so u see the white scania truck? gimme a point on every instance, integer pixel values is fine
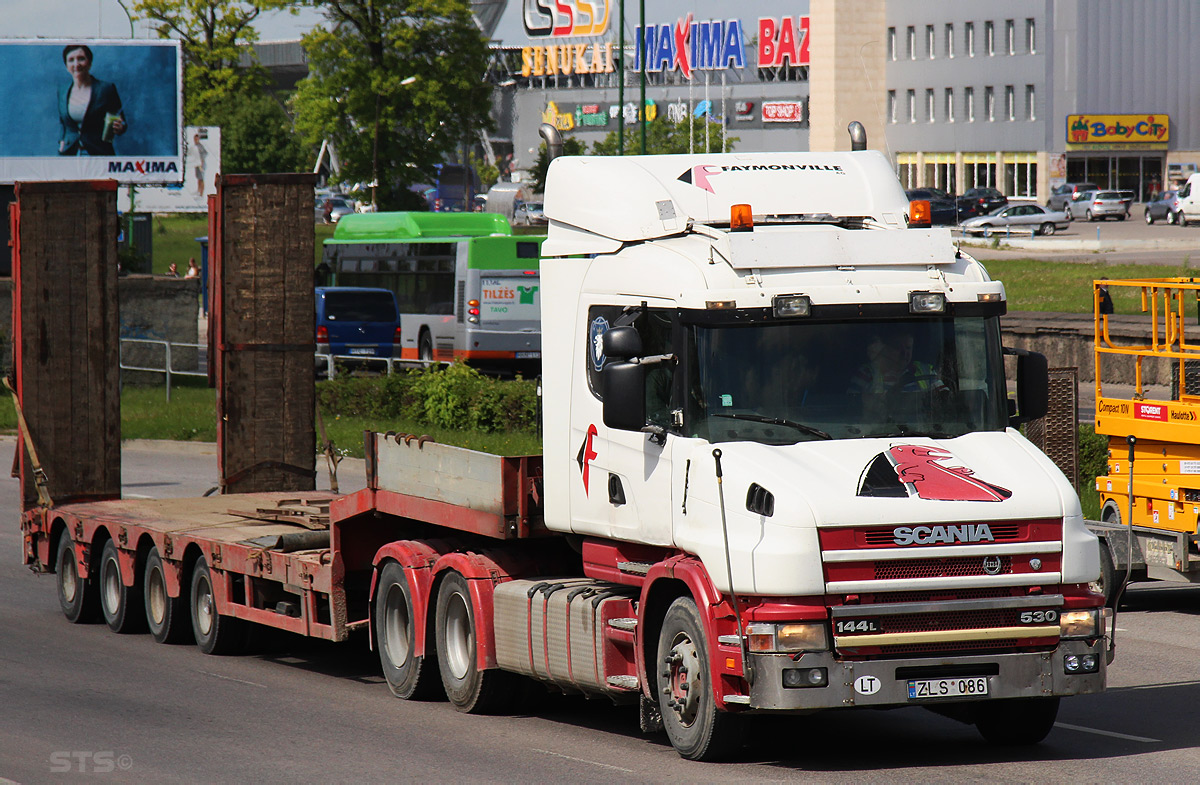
(779, 475)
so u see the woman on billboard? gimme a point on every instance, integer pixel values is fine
(89, 109)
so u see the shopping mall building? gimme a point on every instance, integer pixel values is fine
(1020, 95)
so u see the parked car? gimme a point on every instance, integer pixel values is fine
(1062, 195)
(354, 321)
(1164, 207)
(1032, 217)
(529, 214)
(981, 201)
(1100, 206)
(331, 208)
(944, 207)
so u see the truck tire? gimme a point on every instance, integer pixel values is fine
(1015, 723)
(120, 604)
(166, 616)
(408, 676)
(214, 633)
(1109, 583)
(76, 596)
(470, 689)
(697, 730)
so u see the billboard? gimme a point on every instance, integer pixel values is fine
(91, 109)
(201, 163)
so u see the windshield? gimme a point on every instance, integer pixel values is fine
(802, 381)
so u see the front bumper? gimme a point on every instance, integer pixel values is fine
(1021, 675)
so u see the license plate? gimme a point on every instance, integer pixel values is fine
(921, 689)
(528, 355)
(362, 350)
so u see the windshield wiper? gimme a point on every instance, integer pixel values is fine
(900, 429)
(799, 426)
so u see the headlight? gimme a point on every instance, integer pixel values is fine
(809, 636)
(1079, 624)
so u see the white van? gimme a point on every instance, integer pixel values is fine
(1189, 201)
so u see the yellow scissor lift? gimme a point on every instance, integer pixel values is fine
(1161, 434)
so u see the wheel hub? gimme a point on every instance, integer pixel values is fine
(682, 677)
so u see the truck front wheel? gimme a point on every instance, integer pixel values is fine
(470, 689)
(408, 676)
(697, 730)
(121, 604)
(76, 596)
(215, 634)
(1016, 723)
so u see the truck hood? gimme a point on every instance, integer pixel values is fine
(976, 477)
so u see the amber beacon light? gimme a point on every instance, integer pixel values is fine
(740, 218)
(920, 215)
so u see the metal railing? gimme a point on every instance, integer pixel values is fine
(167, 368)
(389, 363)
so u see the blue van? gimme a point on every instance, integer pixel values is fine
(357, 321)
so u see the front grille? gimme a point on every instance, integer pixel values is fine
(956, 594)
(955, 567)
(1005, 532)
(965, 620)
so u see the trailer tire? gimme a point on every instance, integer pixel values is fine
(408, 676)
(1016, 723)
(1109, 584)
(215, 634)
(120, 604)
(166, 616)
(78, 597)
(469, 688)
(696, 728)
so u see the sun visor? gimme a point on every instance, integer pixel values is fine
(829, 246)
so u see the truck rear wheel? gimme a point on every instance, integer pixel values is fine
(121, 604)
(166, 616)
(470, 689)
(215, 634)
(408, 676)
(697, 730)
(76, 596)
(1016, 723)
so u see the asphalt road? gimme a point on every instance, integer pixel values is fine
(82, 704)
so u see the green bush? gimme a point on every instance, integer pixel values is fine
(1093, 455)
(457, 398)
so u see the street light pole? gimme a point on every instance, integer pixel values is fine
(405, 82)
(621, 80)
(642, 74)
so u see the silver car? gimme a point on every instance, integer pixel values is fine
(1164, 207)
(1100, 205)
(1031, 217)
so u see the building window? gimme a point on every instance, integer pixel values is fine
(969, 103)
(891, 43)
(970, 39)
(1030, 36)
(1010, 36)
(949, 105)
(929, 42)
(912, 43)
(1010, 100)
(989, 38)
(891, 106)
(989, 103)
(1030, 103)
(912, 106)
(929, 107)
(949, 40)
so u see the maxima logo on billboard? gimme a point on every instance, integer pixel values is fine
(718, 44)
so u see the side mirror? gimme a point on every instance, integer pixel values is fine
(622, 343)
(1033, 386)
(624, 387)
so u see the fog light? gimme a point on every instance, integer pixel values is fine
(1081, 663)
(805, 677)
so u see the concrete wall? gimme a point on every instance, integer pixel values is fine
(164, 309)
(847, 73)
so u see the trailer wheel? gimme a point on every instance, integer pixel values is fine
(697, 730)
(1016, 723)
(166, 616)
(76, 595)
(215, 634)
(470, 689)
(1109, 583)
(408, 676)
(121, 605)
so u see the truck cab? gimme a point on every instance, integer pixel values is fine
(761, 367)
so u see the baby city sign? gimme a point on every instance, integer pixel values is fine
(1118, 131)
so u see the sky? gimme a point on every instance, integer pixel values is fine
(105, 19)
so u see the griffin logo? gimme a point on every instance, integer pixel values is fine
(928, 472)
(698, 176)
